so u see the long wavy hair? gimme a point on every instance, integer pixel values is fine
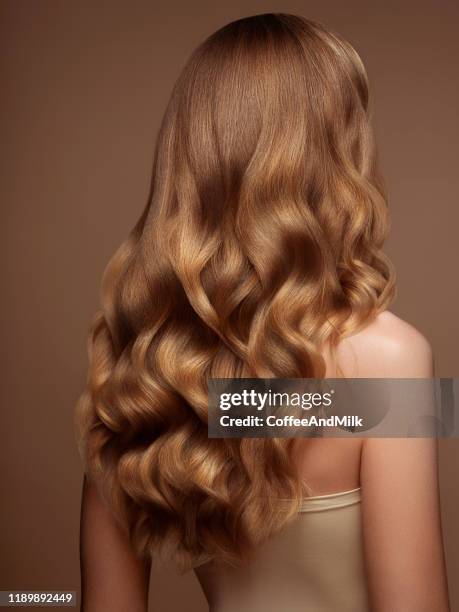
(260, 245)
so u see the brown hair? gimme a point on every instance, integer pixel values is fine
(260, 244)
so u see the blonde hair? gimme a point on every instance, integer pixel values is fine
(260, 244)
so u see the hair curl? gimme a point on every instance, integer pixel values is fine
(259, 245)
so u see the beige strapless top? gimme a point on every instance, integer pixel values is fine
(314, 565)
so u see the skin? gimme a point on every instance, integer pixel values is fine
(400, 501)
(112, 577)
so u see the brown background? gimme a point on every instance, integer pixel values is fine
(84, 87)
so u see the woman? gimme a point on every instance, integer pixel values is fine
(257, 255)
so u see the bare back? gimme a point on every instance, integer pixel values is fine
(330, 465)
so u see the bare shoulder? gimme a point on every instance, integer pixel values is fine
(394, 335)
(389, 347)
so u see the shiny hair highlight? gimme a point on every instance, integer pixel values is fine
(260, 245)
